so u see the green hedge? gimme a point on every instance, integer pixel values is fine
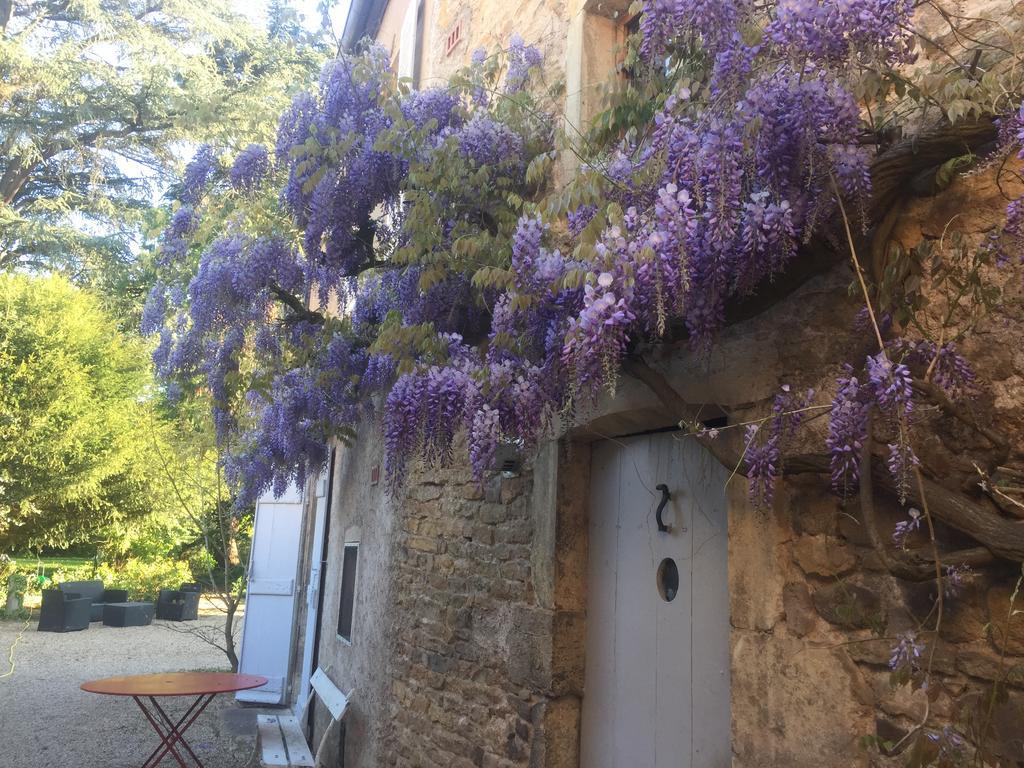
(144, 580)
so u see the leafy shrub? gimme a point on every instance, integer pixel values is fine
(7, 566)
(16, 583)
(63, 573)
(144, 579)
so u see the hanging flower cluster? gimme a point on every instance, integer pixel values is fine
(405, 246)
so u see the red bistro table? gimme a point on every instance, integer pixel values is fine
(203, 685)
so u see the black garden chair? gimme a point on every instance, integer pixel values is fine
(64, 611)
(179, 604)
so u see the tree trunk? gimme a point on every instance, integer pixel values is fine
(231, 545)
(229, 633)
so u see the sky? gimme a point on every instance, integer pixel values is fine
(257, 13)
(308, 9)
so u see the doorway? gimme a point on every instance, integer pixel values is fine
(656, 681)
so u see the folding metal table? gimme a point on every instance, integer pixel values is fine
(142, 688)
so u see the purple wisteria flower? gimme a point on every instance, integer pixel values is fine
(847, 432)
(956, 578)
(906, 655)
(951, 745)
(666, 22)
(487, 142)
(763, 460)
(891, 384)
(1009, 242)
(905, 527)
(834, 32)
(764, 442)
(950, 371)
(521, 59)
(155, 310)
(250, 168)
(198, 174)
(182, 225)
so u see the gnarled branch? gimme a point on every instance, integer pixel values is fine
(299, 311)
(941, 399)
(902, 564)
(1003, 538)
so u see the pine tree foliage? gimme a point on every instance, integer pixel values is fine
(98, 98)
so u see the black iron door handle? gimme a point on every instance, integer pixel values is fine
(665, 498)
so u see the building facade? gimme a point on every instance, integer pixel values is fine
(614, 600)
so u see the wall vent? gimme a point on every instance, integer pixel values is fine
(453, 39)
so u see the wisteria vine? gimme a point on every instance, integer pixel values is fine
(402, 247)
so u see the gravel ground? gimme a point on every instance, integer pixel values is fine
(46, 721)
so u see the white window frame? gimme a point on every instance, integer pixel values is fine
(355, 587)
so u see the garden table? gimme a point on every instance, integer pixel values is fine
(203, 685)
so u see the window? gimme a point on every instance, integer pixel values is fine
(348, 591)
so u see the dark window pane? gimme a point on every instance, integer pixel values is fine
(348, 590)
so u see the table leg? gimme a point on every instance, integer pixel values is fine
(166, 740)
(175, 731)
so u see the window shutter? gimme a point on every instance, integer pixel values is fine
(407, 46)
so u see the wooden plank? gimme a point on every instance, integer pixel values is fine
(636, 596)
(674, 693)
(295, 741)
(711, 657)
(599, 700)
(335, 701)
(283, 587)
(274, 752)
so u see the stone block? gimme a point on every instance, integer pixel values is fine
(983, 663)
(823, 555)
(795, 706)
(964, 618)
(492, 513)
(530, 649)
(799, 608)
(421, 543)
(756, 574)
(1005, 739)
(556, 724)
(424, 492)
(850, 606)
(1006, 631)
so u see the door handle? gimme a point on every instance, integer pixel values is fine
(665, 498)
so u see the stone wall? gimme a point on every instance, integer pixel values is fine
(476, 674)
(467, 633)
(470, 617)
(815, 618)
(815, 613)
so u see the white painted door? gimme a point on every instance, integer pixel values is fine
(321, 510)
(270, 597)
(656, 689)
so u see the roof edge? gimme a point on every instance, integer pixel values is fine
(363, 20)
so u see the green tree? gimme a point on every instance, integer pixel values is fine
(99, 100)
(74, 416)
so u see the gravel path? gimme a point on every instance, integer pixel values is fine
(46, 721)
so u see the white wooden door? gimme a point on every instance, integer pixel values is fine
(270, 597)
(321, 510)
(656, 689)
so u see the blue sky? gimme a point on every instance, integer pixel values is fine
(308, 8)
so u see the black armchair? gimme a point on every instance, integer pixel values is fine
(64, 611)
(99, 596)
(178, 604)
